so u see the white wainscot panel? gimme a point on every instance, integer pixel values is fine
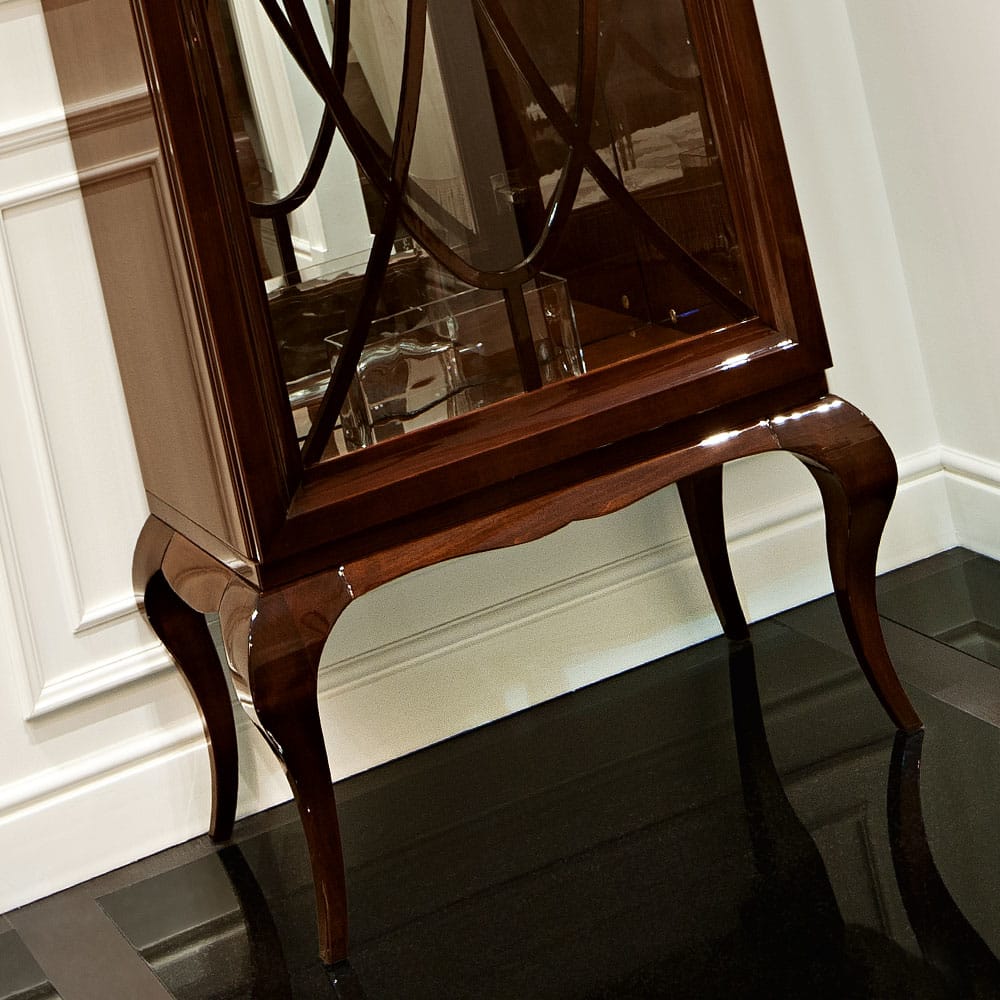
(28, 88)
(70, 489)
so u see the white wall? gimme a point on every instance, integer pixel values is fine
(931, 75)
(102, 758)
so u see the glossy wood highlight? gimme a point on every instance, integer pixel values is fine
(276, 650)
(856, 475)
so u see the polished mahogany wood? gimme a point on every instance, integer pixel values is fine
(274, 641)
(856, 474)
(701, 499)
(183, 630)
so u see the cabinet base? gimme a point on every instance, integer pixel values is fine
(274, 637)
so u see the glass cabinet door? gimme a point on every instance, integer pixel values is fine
(456, 201)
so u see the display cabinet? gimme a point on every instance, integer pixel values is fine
(579, 276)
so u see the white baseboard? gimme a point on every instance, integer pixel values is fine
(63, 826)
(974, 492)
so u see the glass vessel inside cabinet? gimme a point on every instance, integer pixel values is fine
(457, 201)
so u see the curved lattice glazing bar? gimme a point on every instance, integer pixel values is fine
(371, 158)
(502, 34)
(404, 203)
(278, 210)
(402, 150)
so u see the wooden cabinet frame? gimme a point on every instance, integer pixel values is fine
(282, 548)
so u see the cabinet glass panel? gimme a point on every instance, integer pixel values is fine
(455, 201)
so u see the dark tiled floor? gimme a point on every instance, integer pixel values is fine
(639, 838)
(20, 974)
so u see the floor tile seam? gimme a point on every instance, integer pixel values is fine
(978, 670)
(104, 949)
(859, 753)
(191, 938)
(943, 643)
(22, 978)
(842, 680)
(842, 644)
(906, 677)
(162, 862)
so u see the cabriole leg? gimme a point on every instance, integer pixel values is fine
(856, 474)
(280, 642)
(701, 499)
(185, 634)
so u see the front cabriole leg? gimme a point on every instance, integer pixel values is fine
(856, 474)
(275, 640)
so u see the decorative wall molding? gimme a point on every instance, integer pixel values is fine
(25, 660)
(30, 133)
(106, 614)
(105, 112)
(45, 788)
(93, 798)
(104, 646)
(65, 689)
(962, 465)
(22, 370)
(51, 187)
(79, 686)
(123, 107)
(974, 493)
(83, 676)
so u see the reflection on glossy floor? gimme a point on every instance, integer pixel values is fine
(728, 822)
